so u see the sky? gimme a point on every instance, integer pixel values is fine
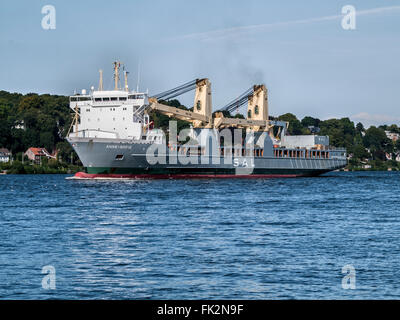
(298, 49)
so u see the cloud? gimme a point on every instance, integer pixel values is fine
(374, 119)
(235, 31)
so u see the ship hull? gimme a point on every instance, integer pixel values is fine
(124, 159)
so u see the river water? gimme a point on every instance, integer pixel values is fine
(200, 239)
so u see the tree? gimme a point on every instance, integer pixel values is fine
(64, 151)
(359, 152)
(393, 128)
(360, 127)
(295, 127)
(310, 121)
(375, 139)
(47, 140)
(340, 131)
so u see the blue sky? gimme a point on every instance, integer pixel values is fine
(310, 66)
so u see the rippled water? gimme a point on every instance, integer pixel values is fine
(216, 239)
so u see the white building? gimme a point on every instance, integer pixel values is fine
(5, 155)
(392, 135)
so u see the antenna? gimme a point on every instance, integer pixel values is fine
(101, 80)
(138, 78)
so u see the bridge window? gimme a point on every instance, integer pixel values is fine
(256, 111)
(106, 99)
(114, 98)
(80, 98)
(122, 98)
(97, 99)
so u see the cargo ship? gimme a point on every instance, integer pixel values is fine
(114, 137)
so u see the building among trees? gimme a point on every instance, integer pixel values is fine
(36, 154)
(5, 155)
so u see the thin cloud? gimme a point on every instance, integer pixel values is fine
(375, 119)
(222, 33)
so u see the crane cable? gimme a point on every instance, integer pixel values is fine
(172, 93)
(239, 101)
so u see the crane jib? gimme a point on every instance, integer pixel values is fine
(172, 93)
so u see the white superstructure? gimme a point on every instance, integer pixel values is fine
(110, 113)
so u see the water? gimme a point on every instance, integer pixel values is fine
(200, 239)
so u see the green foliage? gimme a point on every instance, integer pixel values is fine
(239, 116)
(162, 121)
(375, 139)
(365, 146)
(360, 127)
(295, 126)
(359, 152)
(51, 166)
(45, 118)
(310, 121)
(341, 132)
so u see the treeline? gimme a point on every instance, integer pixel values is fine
(34, 120)
(367, 148)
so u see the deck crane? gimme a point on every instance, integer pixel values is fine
(201, 116)
(257, 110)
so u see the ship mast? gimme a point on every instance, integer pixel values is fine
(101, 80)
(117, 65)
(126, 81)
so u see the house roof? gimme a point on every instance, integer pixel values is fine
(38, 151)
(5, 151)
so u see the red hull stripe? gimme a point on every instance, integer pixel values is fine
(83, 175)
